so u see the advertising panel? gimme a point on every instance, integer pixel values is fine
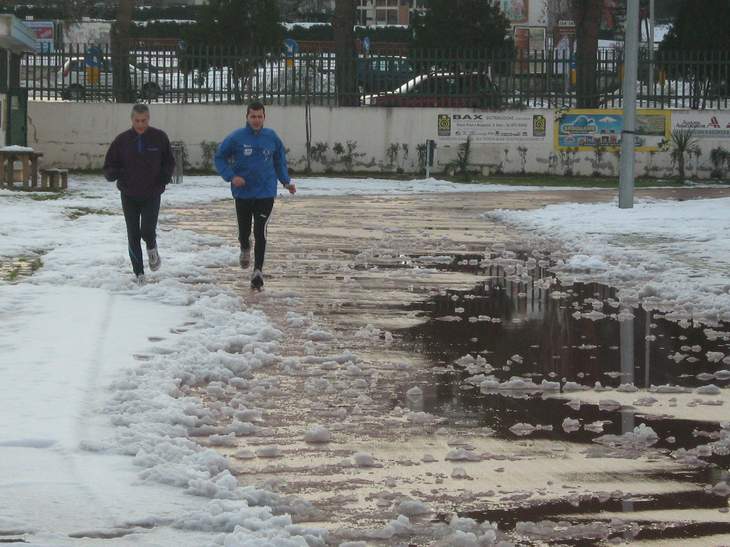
(44, 32)
(585, 129)
(492, 127)
(704, 125)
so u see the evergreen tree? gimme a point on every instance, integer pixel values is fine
(233, 33)
(461, 24)
(238, 23)
(696, 49)
(700, 26)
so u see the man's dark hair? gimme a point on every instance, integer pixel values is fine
(255, 105)
(140, 109)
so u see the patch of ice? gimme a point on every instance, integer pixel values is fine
(318, 434)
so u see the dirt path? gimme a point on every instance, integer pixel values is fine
(342, 274)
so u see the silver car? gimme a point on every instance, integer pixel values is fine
(77, 81)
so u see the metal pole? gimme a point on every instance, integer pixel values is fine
(631, 61)
(651, 48)
(428, 158)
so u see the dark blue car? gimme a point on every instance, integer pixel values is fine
(377, 73)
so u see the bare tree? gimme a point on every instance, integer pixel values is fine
(73, 10)
(587, 16)
(345, 54)
(123, 91)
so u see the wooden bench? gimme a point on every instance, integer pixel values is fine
(54, 179)
(28, 172)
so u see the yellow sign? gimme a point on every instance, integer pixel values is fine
(444, 125)
(92, 75)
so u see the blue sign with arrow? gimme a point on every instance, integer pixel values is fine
(292, 47)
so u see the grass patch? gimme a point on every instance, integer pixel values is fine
(45, 197)
(78, 212)
(19, 267)
(13, 273)
(510, 180)
(562, 181)
(556, 181)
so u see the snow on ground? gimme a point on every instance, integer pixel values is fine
(95, 372)
(673, 255)
(68, 372)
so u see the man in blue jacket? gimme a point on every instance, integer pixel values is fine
(140, 160)
(253, 159)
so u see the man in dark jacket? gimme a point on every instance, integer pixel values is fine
(141, 161)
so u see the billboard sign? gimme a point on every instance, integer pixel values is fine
(491, 127)
(586, 129)
(703, 124)
(44, 32)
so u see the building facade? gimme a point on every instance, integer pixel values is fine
(387, 12)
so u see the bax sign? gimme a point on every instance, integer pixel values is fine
(704, 125)
(492, 127)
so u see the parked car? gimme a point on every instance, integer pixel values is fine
(378, 73)
(73, 78)
(442, 89)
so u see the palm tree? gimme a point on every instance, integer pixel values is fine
(683, 142)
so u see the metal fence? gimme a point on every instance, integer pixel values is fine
(441, 78)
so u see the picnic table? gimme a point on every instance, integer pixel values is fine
(28, 159)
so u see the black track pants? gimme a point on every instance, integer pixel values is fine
(140, 214)
(260, 211)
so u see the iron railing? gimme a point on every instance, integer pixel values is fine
(443, 78)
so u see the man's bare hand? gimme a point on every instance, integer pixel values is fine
(291, 187)
(238, 181)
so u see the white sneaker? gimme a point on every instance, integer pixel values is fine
(244, 259)
(154, 259)
(257, 280)
(140, 280)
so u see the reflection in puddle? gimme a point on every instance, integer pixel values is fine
(523, 323)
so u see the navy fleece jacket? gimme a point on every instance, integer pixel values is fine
(141, 164)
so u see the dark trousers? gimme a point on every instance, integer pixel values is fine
(260, 211)
(140, 214)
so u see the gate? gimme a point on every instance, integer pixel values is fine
(17, 117)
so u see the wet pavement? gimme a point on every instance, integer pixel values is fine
(408, 319)
(509, 317)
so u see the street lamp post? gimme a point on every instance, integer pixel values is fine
(631, 62)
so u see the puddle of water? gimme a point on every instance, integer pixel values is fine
(562, 510)
(555, 345)
(522, 329)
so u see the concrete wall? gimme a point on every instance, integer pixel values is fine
(76, 135)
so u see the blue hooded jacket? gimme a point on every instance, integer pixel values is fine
(258, 157)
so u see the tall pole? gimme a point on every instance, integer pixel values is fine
(631, 62)
(651, 47)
